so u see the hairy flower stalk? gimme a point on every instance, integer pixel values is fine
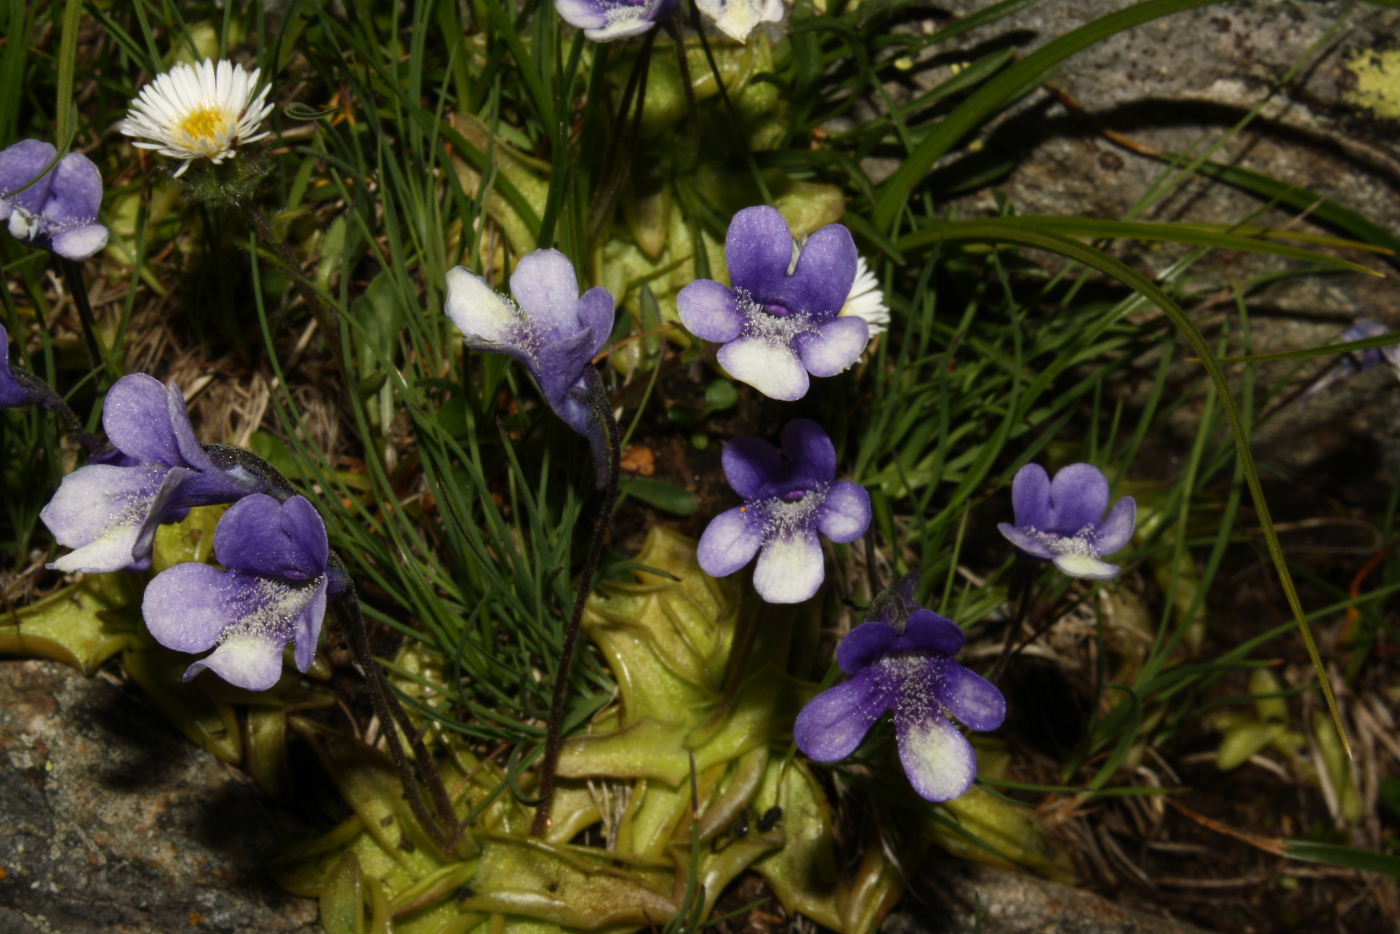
(602, 410)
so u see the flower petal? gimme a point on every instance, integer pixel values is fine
(834, 346)
(709, 311)
(546, 287)
(585, 14)
(308, 628)
(834, 722)
(790, 568)
(824, 274)
(81, 242)
(136, 415)
(1030, 497)
(477, 309)
(1117, 530)
(21, 164)
(1028, 544)
(272, 539)
(809, 450)
(1087, 567)
(845, 515)
(247, 660)
(729, 542)
(937, 758)
(76, 193)
(750, 464)
(108, 514)
(971, 698)
(758, 249)
(770, 367)
(929, 632)
(596, 312)
(864, 644)
(188, 607)
(1078, 498)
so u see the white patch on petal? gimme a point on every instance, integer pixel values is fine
(110, 551)
(866, 300)
(770, 366)
(478, 310)
(790, 569)
(1086, 566)
(246, 661)
(80, 243)
(937, 758)
(737, 18)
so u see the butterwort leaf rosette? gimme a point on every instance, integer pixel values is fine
(548, 327)
(272, 592)
(51, 206)
(607, 20)
(1062, 520)
(789, 497)
(912, 671)
(779, 327)
(108, 511)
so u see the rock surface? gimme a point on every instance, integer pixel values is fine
(110, 821)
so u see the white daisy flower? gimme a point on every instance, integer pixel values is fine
(866, 300)
(203, 111)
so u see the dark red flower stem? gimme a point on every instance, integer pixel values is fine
(602, 410)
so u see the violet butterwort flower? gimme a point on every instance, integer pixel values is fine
(778, 326)
(273, 592)
(108, 511)
(785, 505)
(1062, 520)
(912, 671)
(606, 20)
(57, 209)
(13, 390)
(549, 327)
(1350, 364)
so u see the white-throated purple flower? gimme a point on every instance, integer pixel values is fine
(776, 326)
(108, 511)
(737, 18)
(273, 592)
(549, 327)
(57, 209)
(1062, 520)
(606, 20)
(911, 670)
(785, 505)
(203, 111)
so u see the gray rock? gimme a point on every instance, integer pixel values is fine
(110, 821)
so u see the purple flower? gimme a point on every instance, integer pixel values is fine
(785, 504)
(13, 391)
(606, 20)
(778, 326)
(1350, 364)
(553, 330)
(58, 209)
(273, 592)
(911, 670)
(1062, 520)
(108, 511)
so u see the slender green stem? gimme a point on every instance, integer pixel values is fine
(602, 410)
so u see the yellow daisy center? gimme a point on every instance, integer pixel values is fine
(207, 125)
